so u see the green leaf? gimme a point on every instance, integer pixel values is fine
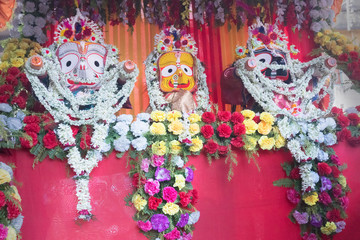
(284, 182)
(287, 168)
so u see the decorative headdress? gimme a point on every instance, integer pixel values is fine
(172, 39)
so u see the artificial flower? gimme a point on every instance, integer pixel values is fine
(194, 129)
(211, 147)
(179, 181)
(175, 147)
(176, 127)
(194, 217)
(137, 181)
(267, 117)
(169, 194)
(340, 226)
(189, 174)
(311, 199)
(224, 130)
(157, 128)
(139, 202)
(250, 143)
(293, 196)
(152, 187)
(50, 140)
(162, 174)
(264, 128)
(159, 148)
(325, 184)
(159, 222)
(11, 234)
(239, 129)
(250, 126)
(194, 118)
(301, 218)
(145, 163)
(3, 232)
(324, 169)
(237, 118)
(15, 193)
(224, 116)
(197, 145)
(184, 218)
(4, 176)
(13, 210)
(279, 141)
(139, 144)
(237, 142)
(342, 180)
(173, 235)
(184, 199)
(171, 208)
(329, 228)
(173, 115)
(153, 202)
(157, 161)
(207, 131)
(208, 117)
(333, 215)
(325, 198)
(144, 226)
(158, 116)
(266, 143)
(248, 114)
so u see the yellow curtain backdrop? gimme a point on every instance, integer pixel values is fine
(216, 49)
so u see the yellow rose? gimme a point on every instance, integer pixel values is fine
(4, 65)
(15, 194)
(11, 235)
(329, 228)
(179, 181)
(337, 50)
(175, 147)
(173, 115)
(267, 117)
(157, 129)
(20, 53)
(158, 116)
(4, 176)
(250, 143)
(139, 202)
(193, 118)
(176, 127)
(159, 148)
(250, 126)
(342, 180)
(279, 141)
(264, 128)
(17, 62)
(197, 145)
(324, 40)
(311, 199)
(248, 113)
(171, 208)
(266, 143)
(194, 129)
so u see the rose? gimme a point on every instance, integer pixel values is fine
(343, 121)
(29, 144)
(32, 119)
(239, 129)
(336, 110)
(354, 55)
(237, 117)
(224, 116)
(153, 202)
(32, 127)
(324, 169)
(344, 57)
(208, 117)
(207, 131)
(343, 135)
(50, 141)
(13, 71)
(224, 130)
(223, 150)
(354, 119)
(237, 142)
(211, 147)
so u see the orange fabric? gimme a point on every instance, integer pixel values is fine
(6, 11)
(337, 6)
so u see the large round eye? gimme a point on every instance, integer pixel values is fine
(68, 62)
(96, 63)
(264, 58)
(187, 70)
(168, 70)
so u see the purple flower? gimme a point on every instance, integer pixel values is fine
(184, 218)
(145, 226)
(157, 161)
(340, 226)
(301, 218)
(160, 222)
(162, 174)
(145, 165)
(316, 220)
(325, 184)
(3, 231)
(189, 174)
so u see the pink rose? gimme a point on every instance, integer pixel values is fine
(152, 187)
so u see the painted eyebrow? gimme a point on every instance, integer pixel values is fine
(97, 48)
(65, 48)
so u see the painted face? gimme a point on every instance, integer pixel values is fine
(176, 71)
(82, 59)
(273, 57)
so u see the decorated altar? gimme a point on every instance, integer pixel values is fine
(112, 127)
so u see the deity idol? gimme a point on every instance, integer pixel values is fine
(175, 77)
(266, 74)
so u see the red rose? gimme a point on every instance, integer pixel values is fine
(336, 110)
(184, 199)
(50, 141)
(208, 117)
(343, 135)
(87, 32)
(207, 131)
(211, 147)
(4, 98)
(344, 57)
(256, 119)
(68, 33)
(295, 173)
(32, 127)
(324, 169)
(237, 142)
(6, 88)
(223, 150)
(224, 116)
(195, 196)
(335, 171)
(325, 198)
(333, 215)
(10, 79)
(273, 36)
(343, 121)
(354, 119)
(354, 55)
(25, 81)
(2, 199)
(354, 141)
(236, 118)
(32, 119)
(29, 144)
(13, 71)
(154, 202)
(136, 182)
(239, 129)
(12, 209)
(20, 101)
(224, 130)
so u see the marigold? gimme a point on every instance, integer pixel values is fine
(194, 129)
(139, 202)
(193, 118)
(342, 180)
(264, 128)
(197, 144)
(158, 116)
(311, 199)
(250, 143)
(173, 115)
(329, 228)
(250, 126)
(266, 143)
(4, 176)
(248, 113)
(157, 129)
(171, 208)
(179, 181)
(176, 127)
(175, 147)
(159, 148)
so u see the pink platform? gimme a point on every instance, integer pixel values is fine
(247, 208)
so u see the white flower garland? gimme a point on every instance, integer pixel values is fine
(322, 15)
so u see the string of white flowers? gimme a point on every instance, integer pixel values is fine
(309, 178)
(84, 198)
(322, 15)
